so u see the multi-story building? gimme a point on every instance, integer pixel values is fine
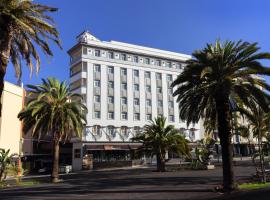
(123, 86)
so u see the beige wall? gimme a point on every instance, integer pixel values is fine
(10, 126)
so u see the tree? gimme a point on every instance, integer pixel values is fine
(5, 160)
(159, 139)
(214, 82)
(50, 111)
(23, 24)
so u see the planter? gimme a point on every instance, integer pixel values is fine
(209, 167)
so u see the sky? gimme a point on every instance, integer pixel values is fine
(175, 25)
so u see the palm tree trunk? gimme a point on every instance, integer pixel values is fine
(55, 174)
(224, 130)
(5, 47)
(262, 161)
(160, 163)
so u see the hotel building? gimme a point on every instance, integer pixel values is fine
(123, 86)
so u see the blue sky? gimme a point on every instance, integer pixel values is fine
(176, 25)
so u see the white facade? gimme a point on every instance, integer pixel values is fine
(124, 86)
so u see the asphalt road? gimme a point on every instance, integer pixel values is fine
(137, 184)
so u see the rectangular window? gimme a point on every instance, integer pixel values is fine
(169, 77)
(136, 87)
(97, 114)
(158, 76)
(147, 61)
(160, 104)
(148, 88)
(170, 104)
(168, 64)
(158, 62)
(123, 71)
(171, 118)
(178, 66)
(97, 68)
(159, 90)
(124, 116)
(170, 91)
(124, 86)
(110, 115)
(136, 101)
(136, 73)
(123, 57)
(111, 55)
(97, 52)
(124, 100)
(97, 83)
(147, 75)
(96, 130)
(136, 59)
(136, 116)
(110, 84)
(148, 117)
(85, 50)
(110, 69)
(148, 102)
(97, 98)
(110, 99)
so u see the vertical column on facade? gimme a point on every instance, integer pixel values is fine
(175, 104)
(165, 95)
(154, 94)
(90, 92)
(142, 96)
(117, 89)
(130, 95)
(103, 93)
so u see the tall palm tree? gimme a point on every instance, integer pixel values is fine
(23, 24)
(214, 82)
(160, 138)
(50, 111)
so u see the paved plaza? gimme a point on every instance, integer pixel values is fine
(140, 183)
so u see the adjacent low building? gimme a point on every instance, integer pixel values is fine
(123, 86)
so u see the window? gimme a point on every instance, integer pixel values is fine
(124, 100)
(123, 56)
(110, 84)
(159, 90)
(158, 76)
(148, 117)
(136, 59)
(124, 115)
(136, 101)
(97, 114)
(123, 86)
(168, 64)
(158, 62)
(97, 68)
(137, 129)
(111, 130)
(170, 91)
(123, 71)
(171, 118)
(97, 52)
(147, 61)
(110, 99)
(110, 70)
(84, 66)
(147, 75)
(97, 99)
(96, 130)
(85, 50)
(110, 115)
(170, 103)
(160, 104)
(136, 73)
(124, 130)
(148, 102)
(169, 77)
(136, 116)
(97, 83)
(111, 55)
(148, 88)
(178, 66)
(77, 153)
(136, 87)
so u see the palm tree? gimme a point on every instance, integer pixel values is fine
(5, 160)
(159, 139)
(50, 111)
(23, 23)
(214, 82)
